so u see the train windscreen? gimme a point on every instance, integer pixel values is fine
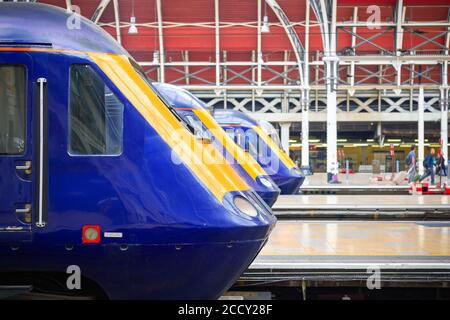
(148, 81)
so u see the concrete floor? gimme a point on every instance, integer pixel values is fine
(362, 201)
(359, 238)
(296, 247)
(355, 179)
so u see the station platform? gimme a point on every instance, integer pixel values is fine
(357, 183)
(416, 207)
(354, 189)
(316, 253)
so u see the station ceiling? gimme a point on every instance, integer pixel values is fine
(188, 33)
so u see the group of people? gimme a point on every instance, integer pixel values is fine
(429, 164)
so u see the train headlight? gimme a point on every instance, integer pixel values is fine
(265, 182)
(245, 206)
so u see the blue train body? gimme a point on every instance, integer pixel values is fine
(272, 159)
(164, 233)
(185, 104)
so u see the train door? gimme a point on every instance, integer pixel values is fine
(20, 146)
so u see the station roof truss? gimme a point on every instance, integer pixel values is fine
(385, 49)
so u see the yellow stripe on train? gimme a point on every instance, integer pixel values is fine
(221, 177)
(243, 158)
(274, 147)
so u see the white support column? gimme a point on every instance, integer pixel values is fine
(117, 21)
(331, 79)
(162, 53)
(217, 40)
(304, 100)
(185, 55)
(331, 125)
(444, 97)
(379, 132)
(259, 47)
(398, 27)
(99, 11)
(285, 126)
(399, 16)
(225, 72)
(284, 103)
(351, 92)
(305, 133)
(421, 131)
(444, 110)
(444, 123)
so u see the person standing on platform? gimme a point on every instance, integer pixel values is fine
(441, 169)
(428, 165)
(411, 164)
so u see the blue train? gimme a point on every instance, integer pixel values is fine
(101, 179)
(195, 114)
(255, 138)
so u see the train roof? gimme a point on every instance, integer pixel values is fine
(41, 25)
(234, 117)
(178, 97)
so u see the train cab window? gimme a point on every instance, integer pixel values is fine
(96, 115)
(12, 109)
(200, 130)
(147, 80)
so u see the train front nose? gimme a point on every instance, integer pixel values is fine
(289, 181)
(222, 243)
(250, 223)
(270, 196)
(267, 190)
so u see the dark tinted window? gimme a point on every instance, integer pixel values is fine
(12, 109)
(96, 115)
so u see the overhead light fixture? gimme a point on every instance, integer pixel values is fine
(265, 27)
(155, 57)
(360, 144)
(260, 58)
(133, 29)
